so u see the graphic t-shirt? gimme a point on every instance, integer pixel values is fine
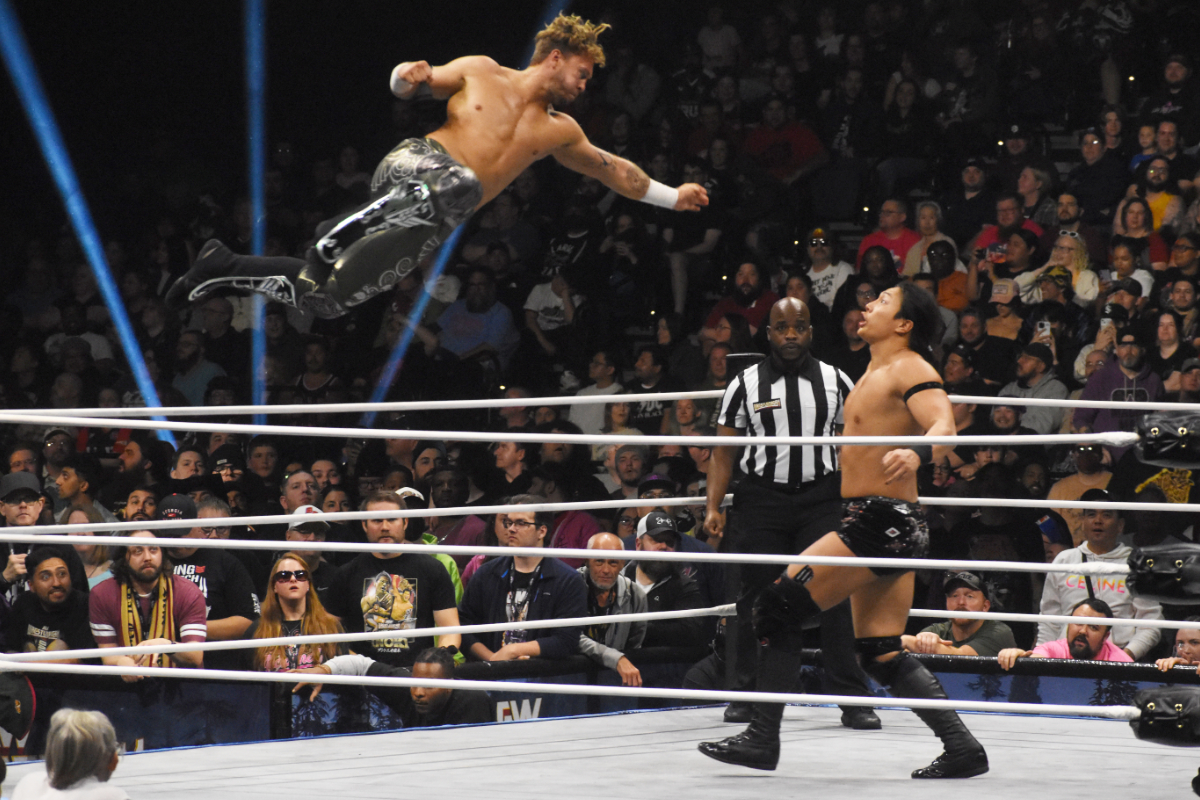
(30, 628)
(228, 592)
(390, 594)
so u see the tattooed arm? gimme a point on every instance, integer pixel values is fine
(621, 175)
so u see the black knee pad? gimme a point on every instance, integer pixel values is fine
(455, 189)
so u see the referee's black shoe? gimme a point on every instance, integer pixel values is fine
(860, 718)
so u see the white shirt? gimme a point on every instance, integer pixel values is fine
(36, 786)
(590, 416)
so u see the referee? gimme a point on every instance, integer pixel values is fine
(790, 497)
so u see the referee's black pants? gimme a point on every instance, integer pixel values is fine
(766, 520)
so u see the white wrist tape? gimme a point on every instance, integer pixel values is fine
(399, 85)
(660, 195)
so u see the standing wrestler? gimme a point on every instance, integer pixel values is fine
(499, 121)
(899, 395)
(789, 498)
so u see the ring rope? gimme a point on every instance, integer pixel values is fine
(505, 402)
(1112, 438)
(1089, 568)
(705, 696)
(369, 636)
(1061, 619)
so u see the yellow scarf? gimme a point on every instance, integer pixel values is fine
(162, 617)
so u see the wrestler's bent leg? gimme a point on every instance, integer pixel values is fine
(881, 607)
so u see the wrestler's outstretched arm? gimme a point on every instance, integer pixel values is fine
(624, 177)
(443, 82)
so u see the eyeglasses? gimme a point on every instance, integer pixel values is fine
(866, 293)
(286, 575)
(1182, 246)
(211, 531)
(817, 242)
(627, 520)
(655, 494)
(518, 523)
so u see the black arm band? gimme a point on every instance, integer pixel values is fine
(924, 452)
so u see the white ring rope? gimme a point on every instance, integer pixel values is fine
(697, 695)
(1112, 438)
(1089, 568)
(370, 636)
(412, 405)
(534, 402)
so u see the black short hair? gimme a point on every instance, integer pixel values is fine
(440, 656)
(545, 518)
(657, 353)
(1094, 603)
(87, 468)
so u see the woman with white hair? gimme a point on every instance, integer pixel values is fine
(81, 754)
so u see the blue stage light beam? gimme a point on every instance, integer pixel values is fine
(398, 352)
(256, 90)
(45, 128)
(553, 9)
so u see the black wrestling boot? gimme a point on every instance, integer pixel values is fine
(737, 711)
(214, 261)
(860, 718)
(964, 756)
(757, 747)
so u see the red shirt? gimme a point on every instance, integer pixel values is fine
(784, 150)
(898, 247)
(104, 606)
(754, 313)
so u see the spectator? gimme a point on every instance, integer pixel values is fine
(511, 473)
(501, 222)
(21, 502)
(320, 571)
(893, 234)
(1167, 358)
(1034, 184)
(192, 370)
(751, 299)
(603, 373)
(51, 614)
(665, 585)
(1134, 223)
(57, 447)
(965, 591)
(1099, 182)
(229, 349)
(325, 472)
(230, 600)
(1183, 166)
(23, 457)
(685, 360)
(853, 356)
(1089, 474)
(719, 42)
(78, 481)
(1035, 378)
(451, 488)
(1069, 218)
(571, 529)
(146, 603)
(1101, 527)
(317, 383)
(187, 464)
(1187, 648)
(81, 755)
(292, 608)
(1156, 188)
(610, 592)
(95, 557)
(1085, 641)
(827, 277)
(524, 588)
(477, 327)
(1176, 98)
(1126, 378)
(418, 706)
(631, 467)
(651, 378)
(691, 238)
(788, 151)
(141, 503)
(929, 222)
(968, 208)
(393, 591)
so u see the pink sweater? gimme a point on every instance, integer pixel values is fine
(1060, 649)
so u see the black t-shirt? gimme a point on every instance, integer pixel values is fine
(465, 706)
(228, 592)
(382, 594)
(29, 627)
(74, 564)
(647, 415)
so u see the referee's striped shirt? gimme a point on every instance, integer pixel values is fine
(765, 402)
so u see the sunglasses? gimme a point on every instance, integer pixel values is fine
(285, 575)
(1071, 234)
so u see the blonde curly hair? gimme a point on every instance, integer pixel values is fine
(571, 35)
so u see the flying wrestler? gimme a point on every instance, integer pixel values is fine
(498, 122)
(899, 395)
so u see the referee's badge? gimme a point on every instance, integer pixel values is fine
(767, 405)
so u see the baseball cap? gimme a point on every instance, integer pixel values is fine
(954, 580)
(1190, 364)
(636, 448)
(655, 481)
(228, 456)
(1059, 275)
(1003, 291)
(1130, 285)
(1179, 58)
(15, 482)
(315, 526)
(1016, 130)
(176, 506)
(51, 432)
(1039, 351)
(658, 525)
(976, 162)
